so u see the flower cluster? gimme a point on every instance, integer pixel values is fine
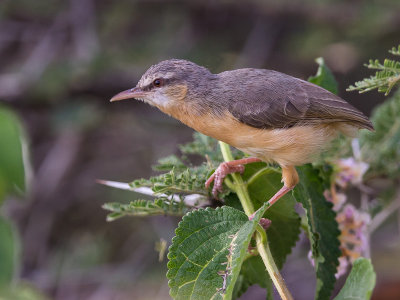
(352, 222)
(349, 170)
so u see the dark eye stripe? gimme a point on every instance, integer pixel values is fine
(151, 86)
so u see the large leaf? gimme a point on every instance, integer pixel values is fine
(322, 227)
(284, 230)
(324, 77)
(8, 253)
(285, 227)
(360, 283)
(207, 253)
(12, 177)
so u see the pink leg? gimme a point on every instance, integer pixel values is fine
(279, 194)
(226, 168)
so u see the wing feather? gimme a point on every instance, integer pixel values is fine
(278, 100)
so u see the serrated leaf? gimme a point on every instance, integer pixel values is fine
(360, 283)
(160, 206)
(395, 51)
(387, 76)
(170, 162)
(189, 181)
(285, 227)
(8, 252)
(324, 77)
(12, 175)
(282, 214)
(207, 147)
(206, 255)
(202, 145)
(323, 229)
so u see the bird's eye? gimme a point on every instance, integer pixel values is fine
(157, 82)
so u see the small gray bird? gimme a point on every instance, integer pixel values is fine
(272, 116)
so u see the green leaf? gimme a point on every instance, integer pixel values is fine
(387, 76)
(360, 283)
(381, 148)
(322, 227)
(160, 206)
(189, 181)
(202, 145)
(207, 147)
(21, 291)
(207, 253)
(285, 227)
(8, 252)
(170, 162)
(324, 77)
(12, 176)
(263, 182)
(253, 272)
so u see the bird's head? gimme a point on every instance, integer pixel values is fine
(167, 83)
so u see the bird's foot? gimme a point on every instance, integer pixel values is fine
(219, 175)
(226, 168)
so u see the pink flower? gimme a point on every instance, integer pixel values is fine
(353, 231)
(342, 268)
(338, 199)
(350, 170)
(353, 227)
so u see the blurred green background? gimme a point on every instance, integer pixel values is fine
(61, 61)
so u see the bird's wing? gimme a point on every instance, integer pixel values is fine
(283, 101)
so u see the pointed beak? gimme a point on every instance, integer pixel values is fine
(129, 94)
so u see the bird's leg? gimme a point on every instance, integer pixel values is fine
(226, 168)
(290, 179)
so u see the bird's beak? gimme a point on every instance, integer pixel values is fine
(129, 94)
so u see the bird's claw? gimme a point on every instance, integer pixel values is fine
(219, 175)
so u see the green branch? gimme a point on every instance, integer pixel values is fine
(240, 188)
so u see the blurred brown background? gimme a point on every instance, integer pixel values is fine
(60, 62)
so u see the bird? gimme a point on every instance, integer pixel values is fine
(269, 115)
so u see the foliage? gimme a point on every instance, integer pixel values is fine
(21, 291)
(384, 79)
(324, 77)
(381, 148)
(8, 253)
(13, 165)
(214, 254)
(206, 255)
(360, 283)
(160, 206)
(322, 228)
(12, 176)
(263, 182)
(12, 180)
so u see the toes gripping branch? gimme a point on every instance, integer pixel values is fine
(225, 168)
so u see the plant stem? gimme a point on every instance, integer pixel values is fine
(240, 187)
(272, 269)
